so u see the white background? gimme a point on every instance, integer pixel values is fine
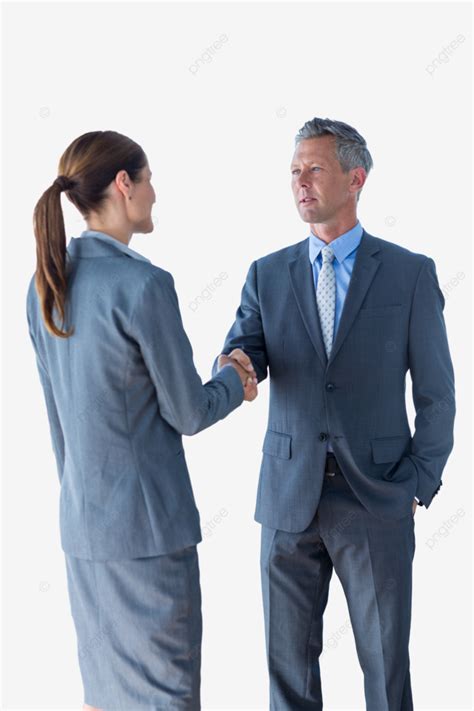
(219, 140)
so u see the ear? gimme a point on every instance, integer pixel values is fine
(359, 176)
(123, 182)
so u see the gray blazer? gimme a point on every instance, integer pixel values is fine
(392, 321)
(120, 393)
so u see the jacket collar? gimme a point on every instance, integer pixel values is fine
(92, 243)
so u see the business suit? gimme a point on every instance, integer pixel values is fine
(120, 393)
(392, 321)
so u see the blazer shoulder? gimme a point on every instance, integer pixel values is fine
(392, 249)
(155, 285)
(285, 254)
(131, 276)
(138, 275)
(153, 275)
(141, 269)
(152, 271)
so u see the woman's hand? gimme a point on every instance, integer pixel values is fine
(243, 365)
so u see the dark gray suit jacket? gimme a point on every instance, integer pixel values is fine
(392, 322)
(120, 393)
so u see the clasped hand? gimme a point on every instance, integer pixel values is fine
(243, 365)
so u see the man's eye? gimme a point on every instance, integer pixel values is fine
(297, 170)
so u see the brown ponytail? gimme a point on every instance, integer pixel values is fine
(50, 275)
(86, 169)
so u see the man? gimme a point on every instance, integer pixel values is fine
(337, 320)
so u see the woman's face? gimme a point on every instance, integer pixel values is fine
(142, 198)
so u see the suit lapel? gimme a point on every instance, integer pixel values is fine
(301, 276)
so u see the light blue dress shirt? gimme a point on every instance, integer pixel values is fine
(108, 238)
(345, 250)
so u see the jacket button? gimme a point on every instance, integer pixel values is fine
(330, 386)
(323, 436)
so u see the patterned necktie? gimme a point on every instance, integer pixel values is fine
(326, 297)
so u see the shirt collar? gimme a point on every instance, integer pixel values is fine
(120, 245)
(342, 245)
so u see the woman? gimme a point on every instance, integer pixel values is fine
(121, 389)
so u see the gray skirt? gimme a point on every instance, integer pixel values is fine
(139, 629)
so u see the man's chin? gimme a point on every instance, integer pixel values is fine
(309, 216)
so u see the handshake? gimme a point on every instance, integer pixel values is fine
(243, 365)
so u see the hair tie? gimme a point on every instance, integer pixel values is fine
(64, 182)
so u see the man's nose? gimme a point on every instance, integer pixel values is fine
(303, 181)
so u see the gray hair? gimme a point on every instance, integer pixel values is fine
(351, 147)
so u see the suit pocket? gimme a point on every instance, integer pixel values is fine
(388, 449)
(277, 444)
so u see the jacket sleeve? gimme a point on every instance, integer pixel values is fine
(57, 437)
(247, 331)
(184, 402)
(432, 377)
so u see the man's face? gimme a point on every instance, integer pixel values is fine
(320, 187)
